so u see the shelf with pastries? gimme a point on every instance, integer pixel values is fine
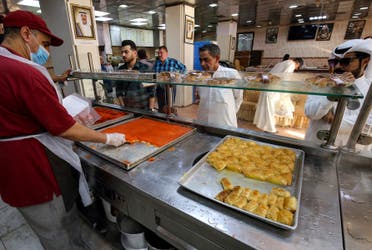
(296, 83)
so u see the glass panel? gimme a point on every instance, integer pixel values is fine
(299, 83)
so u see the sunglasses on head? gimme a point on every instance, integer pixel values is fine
(342, 61)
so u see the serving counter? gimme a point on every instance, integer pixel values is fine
(335, 204)
(150, 194)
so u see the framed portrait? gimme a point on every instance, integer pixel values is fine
(245, 41)
(189, 29)
(354, 29)
(272, 34)
(82, 18)
(232, 42)
(324, 32)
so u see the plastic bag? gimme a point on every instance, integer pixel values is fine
(80, 109)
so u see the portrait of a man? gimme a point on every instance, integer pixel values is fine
(83, 22)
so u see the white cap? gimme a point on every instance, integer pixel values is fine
(341, 49)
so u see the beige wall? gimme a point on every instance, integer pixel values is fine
(314, 52)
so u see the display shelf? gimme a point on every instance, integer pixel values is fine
(289, 82)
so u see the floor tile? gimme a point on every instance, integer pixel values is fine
(10, 219)
(2, 247)
(22, 239)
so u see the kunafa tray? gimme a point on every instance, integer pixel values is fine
(145, 138)
(204, 180)
(109, 116)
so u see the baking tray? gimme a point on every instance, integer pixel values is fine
(128, 156)
(127, 116)
(204, 180)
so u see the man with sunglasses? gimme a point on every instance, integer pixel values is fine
(351, 57)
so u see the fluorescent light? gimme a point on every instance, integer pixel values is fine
(123, 6)
(235, 14)
(249, 21)
(100, 13)
(357, 14)
(31, 3)
(139, 20)
(38, 11)
(161, 28)
(162, 25)
(204, 31)
(151, 12)
(103, 19)
(258, 26)
(196, 25)
(210, 26)
(355, 17)
(363, 8)
(301, 20)
(293, 6)
(213, 5)
(138, 23)
(299, 15)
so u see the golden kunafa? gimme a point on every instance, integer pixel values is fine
(260, 162)
(278, 206)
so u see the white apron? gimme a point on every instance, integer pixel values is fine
(57, 145)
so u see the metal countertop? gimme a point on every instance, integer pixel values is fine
(319, 223)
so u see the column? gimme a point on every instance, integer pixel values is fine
(179, 47)
(226, 38)
(60, 19)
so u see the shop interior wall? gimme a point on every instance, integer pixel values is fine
(315, 53)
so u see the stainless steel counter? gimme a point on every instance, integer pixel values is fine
(150, 194)
(355, 177)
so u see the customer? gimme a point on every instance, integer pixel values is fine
(134, 94)
(39, 172)
(218, 106)
(268, 106)
(165, 63)
(107, 84)
(143, 58)
(352, 56)
(286, 57)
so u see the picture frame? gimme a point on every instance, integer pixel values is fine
(82, 19)
(272, 34)
(324, 32)
(189, 29)
(245, 41)
(354, 29)
(232, 42)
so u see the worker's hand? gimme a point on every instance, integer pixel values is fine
(115, 139)
(65, 75)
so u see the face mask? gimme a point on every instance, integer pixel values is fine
(41, 56)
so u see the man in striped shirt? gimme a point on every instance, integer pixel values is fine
(168, 64)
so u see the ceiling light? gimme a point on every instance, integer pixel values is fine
(204, 31)
(249, 21)
(103, 19)
(100, 13)
(355, 17)
(213, 5)
(162, 25)
(357, 14)
(123, 6)
(299, 15)
(210, 26)
(235, 14)
(301, 20)
(38, 11)
(151, 12)
(138, 23)
(161, 28)
(31, 3)
(139, 20)
(363, 8)
(196, 25)
(293, 6)
(258, 26)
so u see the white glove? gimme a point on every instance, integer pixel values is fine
(115, 139)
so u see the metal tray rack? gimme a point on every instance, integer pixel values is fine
(111, 122)
(203, 179)
(128, 156)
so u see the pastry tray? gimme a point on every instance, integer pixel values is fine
(125, 116)
(204, 180)
(128, 155)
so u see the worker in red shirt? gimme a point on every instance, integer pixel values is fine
(40, 174)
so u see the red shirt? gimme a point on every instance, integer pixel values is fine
(28, 105)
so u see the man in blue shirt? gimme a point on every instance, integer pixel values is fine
(165, 63)
(133, 94)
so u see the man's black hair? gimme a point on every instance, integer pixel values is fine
(130, 43)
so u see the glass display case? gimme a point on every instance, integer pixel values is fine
(342, 91)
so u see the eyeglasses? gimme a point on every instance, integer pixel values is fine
(342, 61)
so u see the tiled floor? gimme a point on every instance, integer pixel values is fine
(191, 113)
(16, 234)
